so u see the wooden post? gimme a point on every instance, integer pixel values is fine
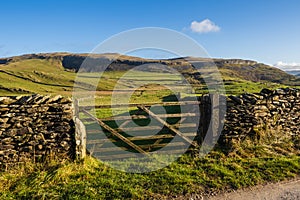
(210, 118)
(205, 119)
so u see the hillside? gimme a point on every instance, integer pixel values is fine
(55, 72)
(251, 163)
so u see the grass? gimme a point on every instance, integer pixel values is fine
(91, 179)
(49, 77)
(35, 76)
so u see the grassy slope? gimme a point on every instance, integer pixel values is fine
(92, 179)
(35, 76)
(27, 76)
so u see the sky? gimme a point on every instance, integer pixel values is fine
(266, 31)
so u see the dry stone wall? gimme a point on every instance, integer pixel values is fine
(270, 118)
(35, 128)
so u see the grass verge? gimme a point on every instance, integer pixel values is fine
(91, 179)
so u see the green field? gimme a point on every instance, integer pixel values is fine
(91, 179)
(35, 76)
(48, 76)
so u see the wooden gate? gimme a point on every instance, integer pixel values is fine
(111, 138)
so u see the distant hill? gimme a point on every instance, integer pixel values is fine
(290, 68)
(294, 72)
(55, 72)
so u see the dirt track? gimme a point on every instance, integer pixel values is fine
(277, 191)
(285, 190)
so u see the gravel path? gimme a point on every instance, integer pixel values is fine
(285, 190)
(277, 191)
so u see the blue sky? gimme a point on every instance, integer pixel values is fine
(266, 30)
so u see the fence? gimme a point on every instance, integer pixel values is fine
(145, 128)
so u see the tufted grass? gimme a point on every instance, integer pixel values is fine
(91, 179)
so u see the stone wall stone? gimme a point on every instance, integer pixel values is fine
(36, 127)
(270, 118)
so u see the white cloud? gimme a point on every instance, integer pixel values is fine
(204, 26)
(287, 66)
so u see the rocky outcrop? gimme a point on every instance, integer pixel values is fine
(234, 62)
(36, 127)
